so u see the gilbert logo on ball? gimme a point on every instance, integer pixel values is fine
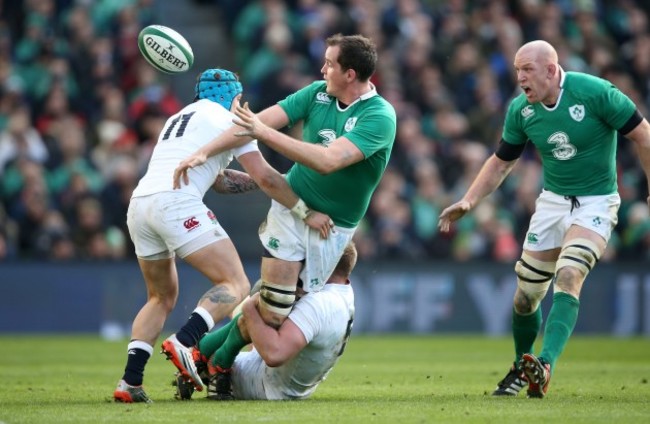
(165, 49)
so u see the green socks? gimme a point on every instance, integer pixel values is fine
(225, 343)
(561, 321)
(212, 341)
(525, 329)
(224, 357)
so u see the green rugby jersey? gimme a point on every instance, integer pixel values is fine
(369, 123)
(576, 139)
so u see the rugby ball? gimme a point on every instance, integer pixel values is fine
(165, 49)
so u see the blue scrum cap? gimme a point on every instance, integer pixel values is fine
(218, 85)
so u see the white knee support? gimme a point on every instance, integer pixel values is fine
(580, 253)
(534, 278)
(277, 298)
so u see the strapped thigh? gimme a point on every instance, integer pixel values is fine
(277, 298)
(580, 253)
(534, 278)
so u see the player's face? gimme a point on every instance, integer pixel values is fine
(532, 77)
(332, 72)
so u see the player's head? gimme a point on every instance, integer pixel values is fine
(355, 52)
(538, 71)
(218, 85)
(346, 264)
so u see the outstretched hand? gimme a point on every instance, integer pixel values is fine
(320, 222)
(453, 213)
(196, 159)
(252, 126)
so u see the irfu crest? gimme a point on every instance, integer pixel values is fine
(577, 112)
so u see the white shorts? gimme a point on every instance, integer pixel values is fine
(248, 376)
(287, 237)
(166, 223)
(553, 217)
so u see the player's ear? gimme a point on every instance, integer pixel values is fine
(351, 74)
(235, 102)
(552, 68)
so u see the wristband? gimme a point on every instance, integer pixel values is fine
(300, 209)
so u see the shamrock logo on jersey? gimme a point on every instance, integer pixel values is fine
(350, 123)
(577, 112)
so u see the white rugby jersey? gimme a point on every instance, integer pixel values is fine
(325, 319)
(184, 133)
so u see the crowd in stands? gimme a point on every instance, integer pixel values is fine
(80, 111)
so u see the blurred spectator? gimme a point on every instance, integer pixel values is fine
(76, 173)
(636, 237)
(21, 140)
(80, 111)
(8, 236)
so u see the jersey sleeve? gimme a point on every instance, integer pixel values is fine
(615, 107)
(305, 315)
(246, 148)
(374, 132)
(297, 105)
(513, 131)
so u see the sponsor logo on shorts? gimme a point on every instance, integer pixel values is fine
(532, 238)
(191, 223)
(314, 282)
(212, 217)
(273, 243)
(596, 222)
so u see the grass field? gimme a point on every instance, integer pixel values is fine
(390, 379)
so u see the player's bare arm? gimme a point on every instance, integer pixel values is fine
(339, 154)
(273, 116)
(231, 181)
(275, 186)
(274, 346)
(227, 140)
(641, 138)
(491, 175)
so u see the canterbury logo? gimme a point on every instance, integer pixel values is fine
(527, 112)
(191, 223)
(323, 98)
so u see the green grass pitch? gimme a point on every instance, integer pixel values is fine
(380, 379)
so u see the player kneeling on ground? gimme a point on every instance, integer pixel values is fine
(304, 349)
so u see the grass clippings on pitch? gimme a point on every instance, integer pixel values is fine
(380, 379)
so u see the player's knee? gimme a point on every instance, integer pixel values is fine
(276, 302)
(168, 304)
(577, 259)
(533, 280)
(578, 254)
(165, 299)
(569, 280)
(522, 303)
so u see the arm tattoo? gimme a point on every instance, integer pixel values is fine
(231, 181)
(218, 294)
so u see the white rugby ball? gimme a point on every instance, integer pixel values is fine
(165, 49)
